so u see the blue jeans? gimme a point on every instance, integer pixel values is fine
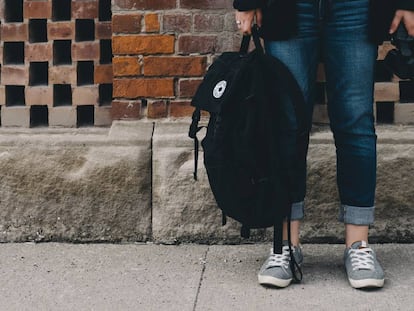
(337, 30)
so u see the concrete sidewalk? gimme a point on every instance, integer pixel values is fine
(189, 277)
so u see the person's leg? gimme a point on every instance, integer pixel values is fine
(294, 232)
(300, 55)
(354, 233)
(349, 64)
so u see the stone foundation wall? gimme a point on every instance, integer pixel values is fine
(134, 183)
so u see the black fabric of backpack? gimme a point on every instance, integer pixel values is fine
(253, 137)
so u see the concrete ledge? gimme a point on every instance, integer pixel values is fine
(133, 182)
(76, 185)
(185, 210)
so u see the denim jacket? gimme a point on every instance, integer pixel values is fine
(280, 18)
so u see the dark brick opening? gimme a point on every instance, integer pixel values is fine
(106, 51)
(407, 91)
(37, 30)
(15, 95)
(105, 12)
(39, 116)
(85, 30)
(13, 53)
(62, 95)
(85, 72)
(385, 112)
(86, 116)
(61, 10)
(382, 74)
(62, 52)
(105, 94)
(39, 73)
(13, 11)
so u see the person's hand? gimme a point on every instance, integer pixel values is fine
(407, 17)
(245, 20)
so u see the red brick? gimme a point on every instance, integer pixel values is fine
(177, 23)
(135, 88)
(1, 9)
(143, 44)
(126, 66)
(85, 9)
(85, 95)
(62, 75)
(15, 116)
(146, 4)
(37, 9)
(126, 110)
(157, 109)
(103, 30)
(61, 30)
(37, 52)
(208, 22)
(187, 87)
(2, 95)
(180, 109)
(126, 23)
(197, 44)
(152, 23)
(103, 116)
(62, 116)
(206, 4)
(85, 51)
(39, 95)
(174, 66)
(226, 43)
(14, 75)
(103, 74)
(14, 32)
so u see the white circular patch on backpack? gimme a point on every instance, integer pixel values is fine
(219, 89)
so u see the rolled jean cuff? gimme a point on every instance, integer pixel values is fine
(297, 211)
(356, 215)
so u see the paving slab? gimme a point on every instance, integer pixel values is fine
(99, 276)
(230, 281)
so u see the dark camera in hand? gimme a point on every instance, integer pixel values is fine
(400, 61)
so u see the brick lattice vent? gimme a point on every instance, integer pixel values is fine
(56, 63)
(162, 48)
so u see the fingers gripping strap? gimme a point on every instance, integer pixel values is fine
(244, 48)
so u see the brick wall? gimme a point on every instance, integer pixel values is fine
(163, 47)
(57, 67)
(55, 58)
(161, 51)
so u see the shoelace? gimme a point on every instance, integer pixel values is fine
(362, 259)
(279, 260)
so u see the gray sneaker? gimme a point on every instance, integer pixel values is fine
(276, 269)
(362, 266)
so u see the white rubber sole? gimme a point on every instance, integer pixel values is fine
(272, 281)
(367, 283)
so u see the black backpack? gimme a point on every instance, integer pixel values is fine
(254, 135)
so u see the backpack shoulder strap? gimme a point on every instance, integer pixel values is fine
(194, 129)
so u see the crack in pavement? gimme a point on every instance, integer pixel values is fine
(204, 261)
